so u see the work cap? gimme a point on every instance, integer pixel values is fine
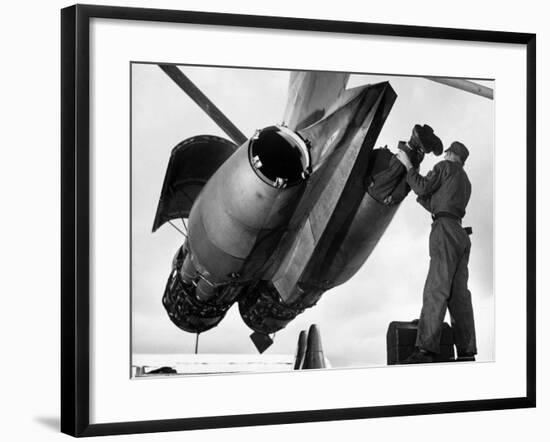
(459, 149)
(424, 137)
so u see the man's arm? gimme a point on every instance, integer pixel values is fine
(425, 186)
(425, 202)
(422, 186)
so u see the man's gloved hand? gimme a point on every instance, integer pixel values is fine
(404, 159)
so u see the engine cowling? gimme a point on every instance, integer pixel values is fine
(243, 210)
(263, 310)
(186, 308)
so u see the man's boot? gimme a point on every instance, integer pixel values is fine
(420, 356)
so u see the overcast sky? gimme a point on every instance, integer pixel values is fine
(354, 317)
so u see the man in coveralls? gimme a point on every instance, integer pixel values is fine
(445, 192)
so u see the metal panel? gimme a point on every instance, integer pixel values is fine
(309, 96)
(204, 102)
(192, 163)
(332, 185)
(289, 272)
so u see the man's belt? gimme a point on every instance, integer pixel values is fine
(438, 215)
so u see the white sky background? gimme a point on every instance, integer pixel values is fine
(353, 318)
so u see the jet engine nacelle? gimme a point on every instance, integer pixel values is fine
(243, 210)
(185, 309)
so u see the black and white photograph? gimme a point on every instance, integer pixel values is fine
(275, 221)
(286, 220)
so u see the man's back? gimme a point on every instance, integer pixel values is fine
(445, 189)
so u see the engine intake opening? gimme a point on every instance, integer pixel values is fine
(279, 156)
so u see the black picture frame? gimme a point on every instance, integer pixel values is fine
(75, 225)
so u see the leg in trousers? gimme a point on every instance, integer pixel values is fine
(444, 256)
(460, 308)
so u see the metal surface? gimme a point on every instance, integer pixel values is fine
(263, 310)
(353, 243)
(465, 85)
(314, 357)
(261, 341)
(279, 156)
(239, 217)
(310, 94)
(192, 163)
(204, 102)
(343, 161)
(300, 350)
(184, 307)
(286, 216)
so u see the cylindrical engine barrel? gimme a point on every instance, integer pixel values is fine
(368, 210)
(366, 229)
(244, 208)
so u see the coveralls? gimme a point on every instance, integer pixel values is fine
(445, 192)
